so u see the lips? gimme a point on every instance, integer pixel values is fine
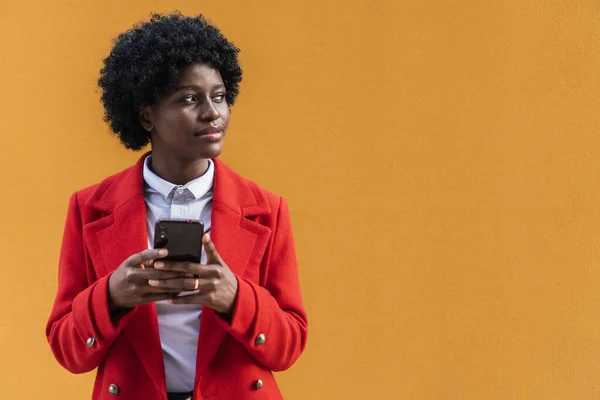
(211, 130)
(211, 137)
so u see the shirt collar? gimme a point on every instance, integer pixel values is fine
(199, 186)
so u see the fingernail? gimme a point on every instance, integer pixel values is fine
(159, 264)
(153, 282)
(162, 252)
(170, 301)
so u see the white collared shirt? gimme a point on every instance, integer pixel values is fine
(178, 324)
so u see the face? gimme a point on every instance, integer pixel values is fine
(191, 122)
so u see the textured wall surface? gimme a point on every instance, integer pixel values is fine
(441, 160)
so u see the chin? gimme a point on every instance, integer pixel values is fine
(212, 150)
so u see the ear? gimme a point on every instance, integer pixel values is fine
(145, 116)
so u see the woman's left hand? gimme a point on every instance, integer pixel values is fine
(216, 284)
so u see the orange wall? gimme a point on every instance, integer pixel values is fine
(441, 160)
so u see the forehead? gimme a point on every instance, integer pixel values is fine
(200, 75)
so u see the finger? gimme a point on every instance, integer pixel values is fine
(186, 284)
(141, 276)
(145, 256)
(199, 298)
(180, 266)
(212, 256)
(143, 288)
(202, 271)
(181, 284)
(153, 273)
(150, 290)
(190, 268)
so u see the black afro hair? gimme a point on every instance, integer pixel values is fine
(145, 64)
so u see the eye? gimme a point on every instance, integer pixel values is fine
(219, 98)
(189, 99)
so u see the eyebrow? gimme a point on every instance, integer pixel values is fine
(196, 87)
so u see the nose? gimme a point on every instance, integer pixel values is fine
(209, 112)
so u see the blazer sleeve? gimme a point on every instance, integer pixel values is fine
(276, 310)
(80, 330)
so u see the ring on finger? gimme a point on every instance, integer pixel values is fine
(196, 284)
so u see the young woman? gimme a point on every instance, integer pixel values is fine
(170, 82)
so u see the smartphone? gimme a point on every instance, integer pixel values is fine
(182, 237)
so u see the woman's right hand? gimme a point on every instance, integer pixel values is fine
(128, 285)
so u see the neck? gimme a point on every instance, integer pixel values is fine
(175, 170)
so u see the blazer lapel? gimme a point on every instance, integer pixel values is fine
(240, 241)
(111, 240)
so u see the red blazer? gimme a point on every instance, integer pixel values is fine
(106, 223)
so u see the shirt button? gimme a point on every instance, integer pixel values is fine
(258, 384)
(179, 191)
(113, 389)
(260, 339)
(90, 342)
